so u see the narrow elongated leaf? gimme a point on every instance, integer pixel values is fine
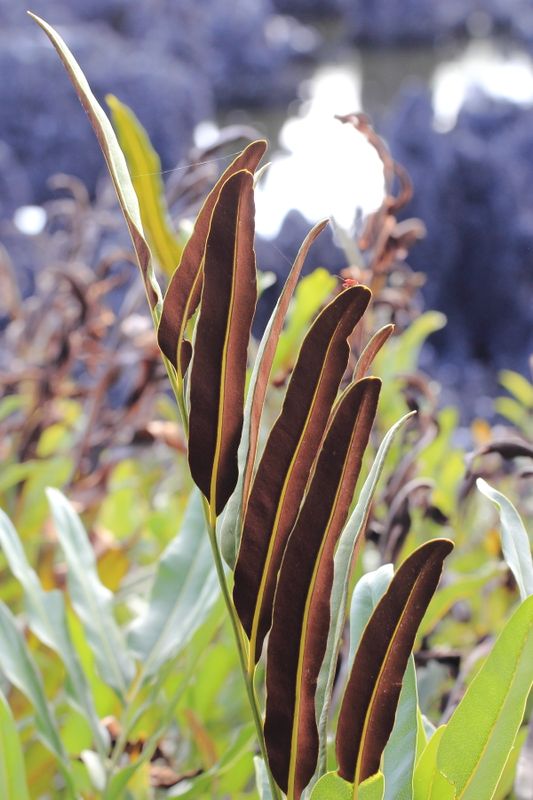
(218, 371)
(115, 161)
(371, 350)
(505, 784)
(232, 521)
(481, 731)
(47, 619)
(92, 601)
(515, 541)
(145, 169)
(261, 779)
(426, 772)
(19, 668)
(312, 293)
(524, 771)
(283, 471)
(366, 595)
(13, 782)
(184, 591)
(399, 755)
(300, 624)
(369, 704)
(332, 787)
(184, 290)
(339, 596)
(400, 751)
(426, 730)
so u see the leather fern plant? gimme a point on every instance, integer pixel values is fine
(289, 519)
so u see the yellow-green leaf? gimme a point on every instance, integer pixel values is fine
(115, 160)
(479, 736)
(145, 170)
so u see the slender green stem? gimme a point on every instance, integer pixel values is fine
(210, 518)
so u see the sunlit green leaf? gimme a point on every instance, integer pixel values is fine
(426, 768)
(506, 781)
(372, 788)
(479, 736)
(332, 787)
(517, 385)
(145, 170)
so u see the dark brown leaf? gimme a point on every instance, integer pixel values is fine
(301, 617)
(283, 471)
(369, 704)
(269, 352)
(218, 369)
(183, 293)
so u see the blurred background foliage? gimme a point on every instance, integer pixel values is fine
(443, 235)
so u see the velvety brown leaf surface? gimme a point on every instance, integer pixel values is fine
(301, 617)
(291, 448)
(369, 704)
(269, 352)
(218, 370)
(183, 293)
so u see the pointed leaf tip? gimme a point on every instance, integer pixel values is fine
(184, 290)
